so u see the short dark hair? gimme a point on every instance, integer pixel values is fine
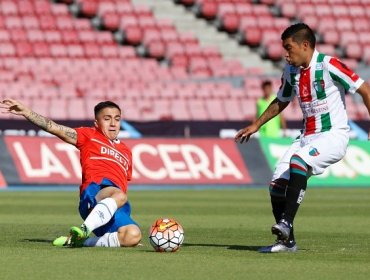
(300, 32)
(266, 83)
(105, 104)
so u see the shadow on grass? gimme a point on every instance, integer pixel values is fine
(228, 247)
(37, 240)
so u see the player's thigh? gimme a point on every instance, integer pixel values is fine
(111, 191)
(323, 151)
(282, 167)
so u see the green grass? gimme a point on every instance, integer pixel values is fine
(223, 229)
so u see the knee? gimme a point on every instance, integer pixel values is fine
(278, 188)
(120, 198)
(130, 237)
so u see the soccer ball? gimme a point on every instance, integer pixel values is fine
(166, 235)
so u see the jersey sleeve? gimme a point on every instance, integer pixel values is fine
(83, 134)
(286, 90)
(340, 73)
(129, 173)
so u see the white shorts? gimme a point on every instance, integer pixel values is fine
(318, 150)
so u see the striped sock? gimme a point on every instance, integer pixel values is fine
(298, 166)
(296, 187)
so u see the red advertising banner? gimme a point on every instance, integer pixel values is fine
(2, 181)
(155, 161)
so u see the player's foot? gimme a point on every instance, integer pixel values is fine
(78, 235)
(62, 241)
(282, 229)
(280, 246)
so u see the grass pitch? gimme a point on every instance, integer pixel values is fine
(223, 229)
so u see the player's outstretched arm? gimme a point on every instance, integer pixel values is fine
(272, 110)
(364, 91)
(15, 107)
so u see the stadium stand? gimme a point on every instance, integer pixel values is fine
(62, 57)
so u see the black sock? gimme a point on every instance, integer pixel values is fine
(278, 207)
(294, 195)
(278, 200)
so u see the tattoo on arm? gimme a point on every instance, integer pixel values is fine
(38, 120)
(63, 132)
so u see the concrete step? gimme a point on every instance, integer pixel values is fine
(207, 34)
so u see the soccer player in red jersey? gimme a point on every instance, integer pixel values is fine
(319, 82)
(106, 168)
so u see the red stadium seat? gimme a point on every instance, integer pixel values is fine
(354, 51)
(47, 22)
(274, 52)
(4, 35)
(8, 8)
(26, 8)
(7, 49)
(13, 22)
(88, 8)
(76, 109)
(53, 36)
(70, 36)
(41, 49)
(208, 10)
(111, 21)
(132, 35)
(24, 49)
(345, 24)
(58, 50)
(42, 7)
(327, 49)
(215, 108)
(64, 22)
(348, 37)
(230, 22)
(58, 109)
(331, 37)
(288, 10)
(30, 22)
(361, 24)
(156, 49)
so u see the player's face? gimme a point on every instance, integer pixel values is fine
(296, 53)
(108, 121)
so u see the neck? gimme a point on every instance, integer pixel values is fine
(308, 59)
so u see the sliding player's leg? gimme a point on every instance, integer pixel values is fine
(121, 231)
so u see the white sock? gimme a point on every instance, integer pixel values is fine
(101, 214)
(110, 239)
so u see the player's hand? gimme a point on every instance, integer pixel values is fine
(244, 134)
(12, 106)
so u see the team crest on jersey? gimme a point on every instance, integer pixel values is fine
(319, 85)
(313, 152)
(320, 66)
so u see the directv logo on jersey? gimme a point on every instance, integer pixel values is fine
(319, 85)
(313, 152)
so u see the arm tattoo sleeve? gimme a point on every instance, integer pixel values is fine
(50, 126)
(39, 120)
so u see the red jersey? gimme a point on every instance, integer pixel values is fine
(102, 158)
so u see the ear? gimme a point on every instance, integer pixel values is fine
(306, 44)
(96, 123)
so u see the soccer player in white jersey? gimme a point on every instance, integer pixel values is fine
(319, 81)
